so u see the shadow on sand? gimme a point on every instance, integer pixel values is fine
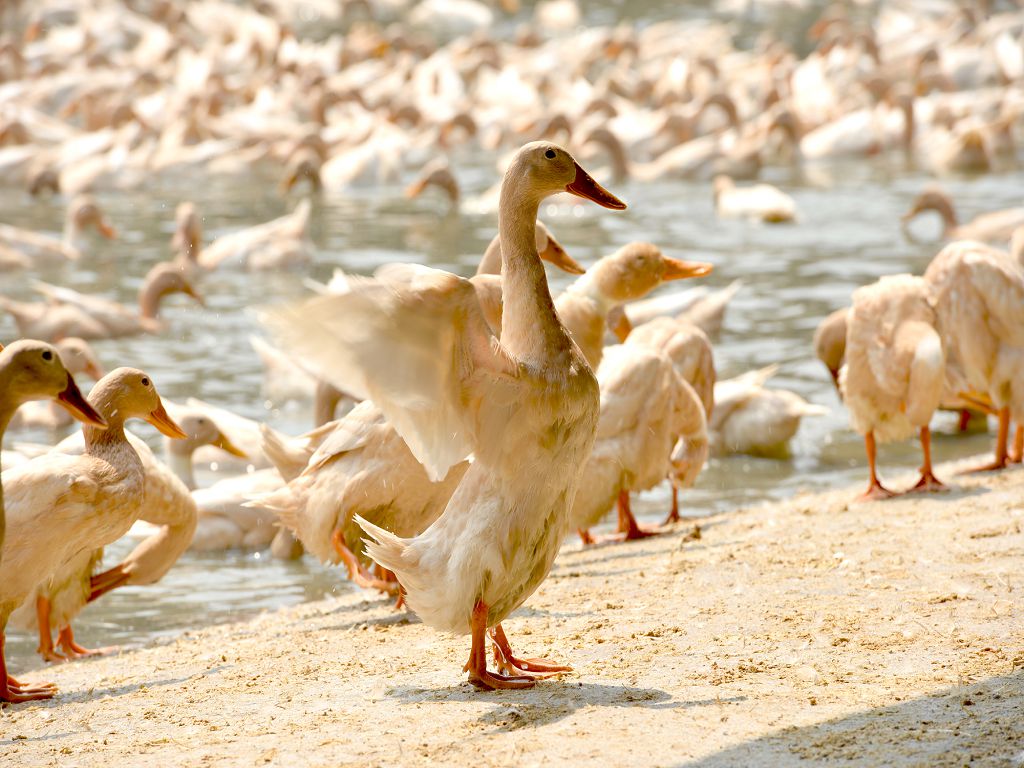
(978, 724)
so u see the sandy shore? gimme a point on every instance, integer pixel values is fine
(807, 632)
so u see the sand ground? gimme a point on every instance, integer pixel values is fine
(813, 631)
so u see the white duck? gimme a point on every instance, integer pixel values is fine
(83, 212)
(978, 294)
(646, 409)
(750, 419)
(892, 379)
(758, 202)
(526, 407)
(58, 505)
(279, 243)
(30, 370)
(996, 227)
(70, 313)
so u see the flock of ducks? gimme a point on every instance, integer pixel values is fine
(464, 425)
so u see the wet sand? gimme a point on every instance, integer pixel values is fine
(814, 631)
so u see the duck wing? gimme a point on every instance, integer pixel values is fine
(414, 341)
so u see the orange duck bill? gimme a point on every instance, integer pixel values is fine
(677, 269)
(158, 418)
(75, 404)
(227, 446)
(584, 186)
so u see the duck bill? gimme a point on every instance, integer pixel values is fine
(227, 446)
(73, 402)
(676, 269)
(555, 254)
(190, 290)
(104, 228)
(158, 418)
(584, 186)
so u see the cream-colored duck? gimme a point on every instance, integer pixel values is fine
(548, 248)
(830, 342)
(70, 313)
(276, 244)
(238, 430)
(80, 502)
(363, 468)
(630, 273)
(78, 357)
(646, 409)
(978, 293)
(892, 380)
(30, 370)
(751, 419)
(83, 212)
(525, 407)
(170, 515)
(435, 174)
(759, 202)
(996, 227)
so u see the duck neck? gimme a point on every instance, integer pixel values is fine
(530, 328)
(180, 462)
(103, 399)
(490, 264)
(149, 299)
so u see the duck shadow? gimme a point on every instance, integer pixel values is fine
(82, 695)
(975, 724)
(549, 701)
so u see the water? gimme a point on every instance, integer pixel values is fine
(848, 234)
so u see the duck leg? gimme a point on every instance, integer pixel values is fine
(673, 515)
(507, 662)
(356, 572)
(477, 664)
(627, 523)
(928, 481)
(66, 642)
(585, 537)
(1002, 441)
(46, 649)
(1018, 445)
(875, 488)
(13, 692)
(104, 582)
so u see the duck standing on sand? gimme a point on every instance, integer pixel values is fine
(30, 370)
(893, 375)
(527, 407)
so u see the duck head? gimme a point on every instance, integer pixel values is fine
(78, 357)
(638, 268)
(551, 251)
(85, 212)
(549, 169)
(128, 393)
(201, 430)
(33, 370)
(932, 199)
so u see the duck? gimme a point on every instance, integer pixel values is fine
(978, 294)
(241, 432)
(31, 370)
(751, 419)
(892, 380)
(170, 517)
(758, 202)
(78, 358)
(526, 408)
(702, 307)
(281, 243)
(435, 174)
(83, 212)
(364, 468)
(548, 248)
(995, 227)
(82, 502)
(646, 410)
(70, 313)
(830, 342)
(630, 273)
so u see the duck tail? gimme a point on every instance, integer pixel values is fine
(288, 458)
(282, 502)
(384, 547)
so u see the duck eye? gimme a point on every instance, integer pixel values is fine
(145, 381)
(550, 154)
(47, 355)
